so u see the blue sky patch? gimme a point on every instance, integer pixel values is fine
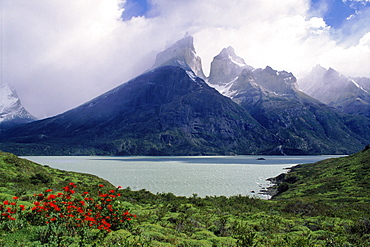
(135, 8)
(336, 12)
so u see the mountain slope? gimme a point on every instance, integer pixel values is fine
(339, 91)
(12, 111)
(167, 111)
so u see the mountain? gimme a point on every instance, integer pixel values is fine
(11, 110)
(349, 95)
(182, 54)
(171, 110)
(303, 124)
(166, 111)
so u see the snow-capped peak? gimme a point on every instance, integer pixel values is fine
(11, 109)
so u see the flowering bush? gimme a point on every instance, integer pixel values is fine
(9, 210)
(72, 211)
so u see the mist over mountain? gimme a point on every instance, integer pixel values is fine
(349, 95)
(172, 109)
(12, 111)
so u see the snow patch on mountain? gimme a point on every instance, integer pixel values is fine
(357, 85)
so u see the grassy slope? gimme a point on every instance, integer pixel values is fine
(342, 183)
(21, 177)
(327, 205)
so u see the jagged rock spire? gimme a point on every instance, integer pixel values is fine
(226, 66)
(182, 54)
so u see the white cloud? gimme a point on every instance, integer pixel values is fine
(59, 54)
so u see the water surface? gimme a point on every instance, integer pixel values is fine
(183, 176)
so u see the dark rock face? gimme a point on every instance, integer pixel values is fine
(167, 111)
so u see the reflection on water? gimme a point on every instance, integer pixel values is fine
(185, 176)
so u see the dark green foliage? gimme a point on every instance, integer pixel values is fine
(39, 178)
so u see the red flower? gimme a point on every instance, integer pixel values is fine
(15, 198)
(101, 185)
(48, 190)
(51, 197)
(6, 202)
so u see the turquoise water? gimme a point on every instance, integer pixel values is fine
(183, 176)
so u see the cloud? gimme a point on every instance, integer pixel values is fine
(59, 54)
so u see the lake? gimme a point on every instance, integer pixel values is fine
(183, 175)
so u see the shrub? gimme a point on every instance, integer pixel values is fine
(65, 214)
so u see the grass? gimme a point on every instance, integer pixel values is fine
(323, 204)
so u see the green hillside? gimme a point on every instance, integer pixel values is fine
(320, 204)
(22, 177)
(341, 183)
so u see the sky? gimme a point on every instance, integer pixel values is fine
(59, 54)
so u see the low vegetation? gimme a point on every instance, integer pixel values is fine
(321, 204)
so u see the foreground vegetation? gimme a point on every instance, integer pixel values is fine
(321, 204)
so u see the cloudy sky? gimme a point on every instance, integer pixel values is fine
(61, 53)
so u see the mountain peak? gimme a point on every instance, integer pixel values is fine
(226, 66)
(182, 53)
(11, 110)
(226, 52)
